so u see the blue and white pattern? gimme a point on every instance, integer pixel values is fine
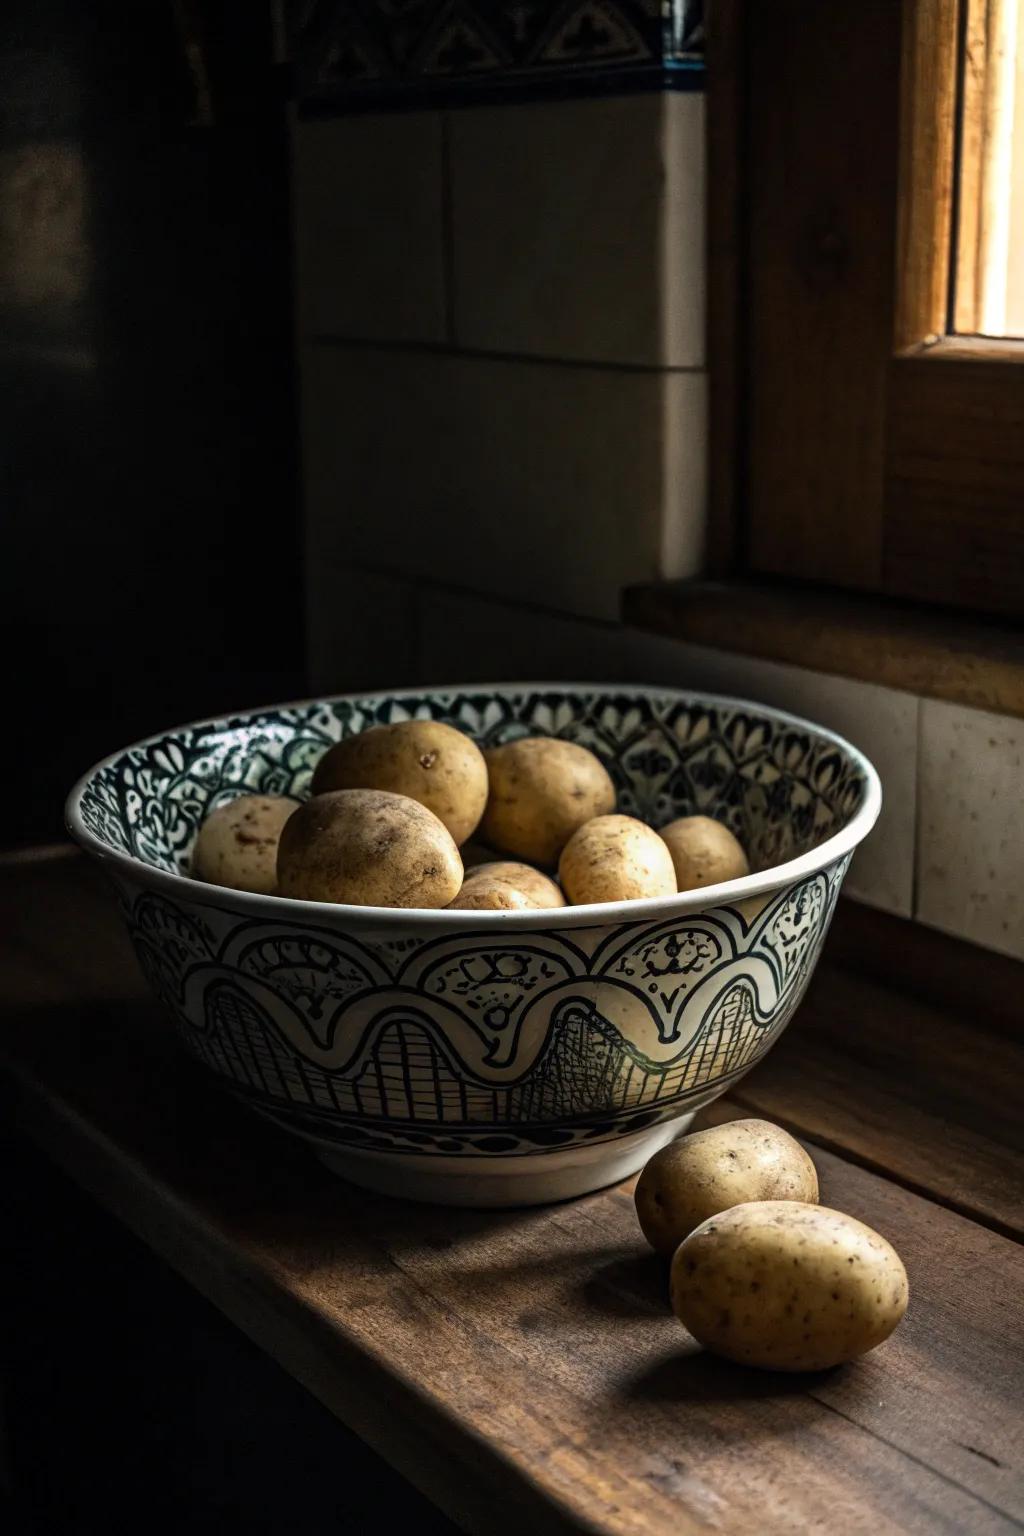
(476, 1044)
(484, 1039)
(781, 788)
(349, 54)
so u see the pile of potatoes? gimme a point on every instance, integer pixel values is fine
(761, 1273)
(392, 807)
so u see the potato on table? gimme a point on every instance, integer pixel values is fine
(615, 858)
(787, 1286)
(506, 887)
(704, 1174)
(541, 790)
(236, 845)
(424, 759)
(369, 848)
(704, 852)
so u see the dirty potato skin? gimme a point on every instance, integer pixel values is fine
(787, 1286)
(237, 843)
(370, 848)
(541, 790)
(703, 852)
(704, 1174)
(506, 887)
(425, 759)
(615, 858)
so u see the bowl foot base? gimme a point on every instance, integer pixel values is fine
(533, 1179)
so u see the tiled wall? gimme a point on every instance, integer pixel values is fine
(501, 313)
(501, 316)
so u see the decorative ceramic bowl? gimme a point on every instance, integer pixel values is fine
(489, 1058)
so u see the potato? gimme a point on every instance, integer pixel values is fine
(704, 1174)
(788, 1286)
(703, 852)
(541, 790)
(506, 887)
(370, 848)
(615, 858)
(423, 759)
(236, 845)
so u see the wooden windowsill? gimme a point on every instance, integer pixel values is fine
(871, 639)
(968, 349)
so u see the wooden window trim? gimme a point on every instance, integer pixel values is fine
(927, 150)
(928, 486)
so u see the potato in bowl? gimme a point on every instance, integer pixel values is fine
(500, 1056)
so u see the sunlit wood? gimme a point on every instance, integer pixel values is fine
(991, 158)
(927, 143)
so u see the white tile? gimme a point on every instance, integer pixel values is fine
(683, 280)
(368, 227)
(578, 228)
(464, 638)
(546, 485)
(361, 626)
(970, 871)
(682, 525)
(882, 722)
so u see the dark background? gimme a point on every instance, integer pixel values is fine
(151, 565)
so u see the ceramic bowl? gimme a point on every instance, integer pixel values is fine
(489, 1058)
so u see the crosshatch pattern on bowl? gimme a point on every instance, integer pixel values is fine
(477, 1044)
(781, 788)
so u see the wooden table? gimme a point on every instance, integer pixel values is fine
(522, 1368)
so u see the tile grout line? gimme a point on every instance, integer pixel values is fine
(487, 354)
(427, 586)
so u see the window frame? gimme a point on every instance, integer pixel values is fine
(854, 439)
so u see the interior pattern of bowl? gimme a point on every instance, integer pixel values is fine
(782, 785)
(431, 1039)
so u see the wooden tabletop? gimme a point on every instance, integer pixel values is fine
(522, 1368)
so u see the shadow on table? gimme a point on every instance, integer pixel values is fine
(696, 1376)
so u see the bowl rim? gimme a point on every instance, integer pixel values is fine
(727, 893)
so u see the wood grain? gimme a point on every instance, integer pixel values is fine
(900, 1086)
(522, 1366)
(962, 981)
(853, 451)
(877, 640)
(986, 139)
(927, 151)
(954, 529)
(821, 215)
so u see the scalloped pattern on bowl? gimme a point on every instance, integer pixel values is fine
(487, 1061)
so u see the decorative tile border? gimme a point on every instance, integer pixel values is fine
(352, 54)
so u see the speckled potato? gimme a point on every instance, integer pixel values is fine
(704, 1174)
(370, 848)
(786, 1286)
(236, 845)
(506, 887)
(424, 759)
(703, 852)
(541, 790)
(615, 858)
